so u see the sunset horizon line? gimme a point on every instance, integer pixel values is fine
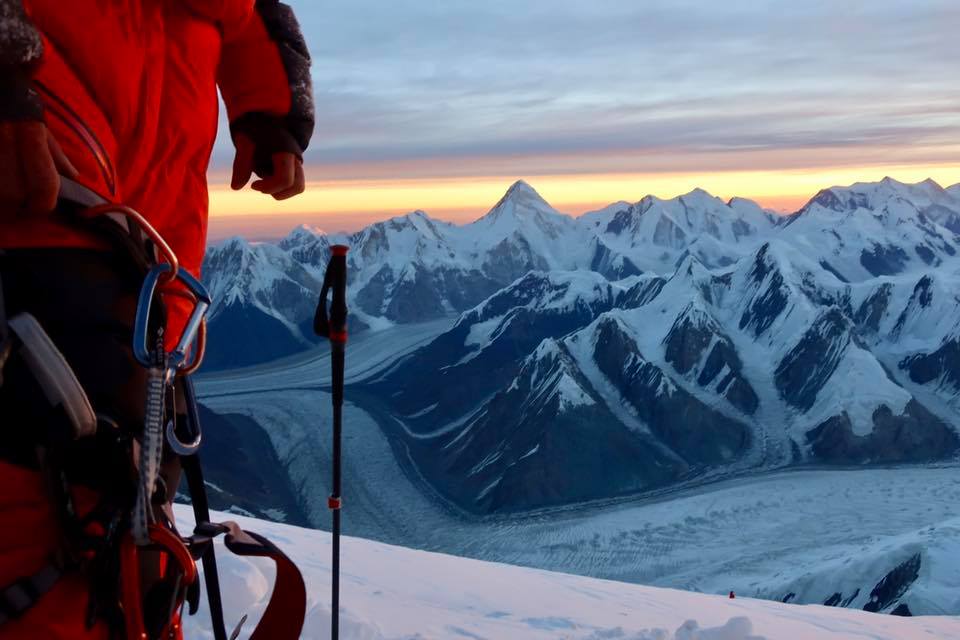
(346, 206)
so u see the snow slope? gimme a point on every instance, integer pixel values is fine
(401, 594)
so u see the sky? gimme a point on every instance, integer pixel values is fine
(441, 104)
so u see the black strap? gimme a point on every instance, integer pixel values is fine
(6, 346)
(17, 598)
(201, 513)
(193, 471)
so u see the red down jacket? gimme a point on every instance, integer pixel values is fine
(129, 89)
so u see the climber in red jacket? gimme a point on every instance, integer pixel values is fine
(119, 98)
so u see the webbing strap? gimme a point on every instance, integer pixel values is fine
(3, 317)
(17, 598)
(201, 513)
(193, 470)
(6, 345)
(285, 613)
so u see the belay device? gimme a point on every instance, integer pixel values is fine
(332, 324)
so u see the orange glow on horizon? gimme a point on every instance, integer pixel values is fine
(348, 204)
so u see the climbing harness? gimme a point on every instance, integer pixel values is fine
(333, 326)
(142, 572)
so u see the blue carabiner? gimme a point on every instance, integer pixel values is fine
(142, 349)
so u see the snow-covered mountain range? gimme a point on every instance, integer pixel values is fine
(414, 268)
(641, 345)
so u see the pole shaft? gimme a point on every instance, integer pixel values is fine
(337, 364)
(332, 324)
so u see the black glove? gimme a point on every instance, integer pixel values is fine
(269, 135)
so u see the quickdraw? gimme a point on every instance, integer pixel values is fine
(162, 369)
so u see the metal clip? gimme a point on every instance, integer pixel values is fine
(177, 359)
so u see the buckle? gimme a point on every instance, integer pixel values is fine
(210, 529)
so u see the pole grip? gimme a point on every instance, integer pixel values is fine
(332, 324)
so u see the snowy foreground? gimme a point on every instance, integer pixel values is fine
(396, 593)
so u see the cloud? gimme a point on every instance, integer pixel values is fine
(425, 80)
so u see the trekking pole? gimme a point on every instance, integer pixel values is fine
(333, 325)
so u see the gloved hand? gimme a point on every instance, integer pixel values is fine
(266, 147)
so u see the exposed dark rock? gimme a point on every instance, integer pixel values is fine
(528, 449)
(871, 311)
(915, 436)
(455, 387)
(893, 585)
(921, 298)
(641, 293)
(687, 340)
(829, 199)
(687, 343)
(884, 260)
(829, 267)
(766, 306)
(805, 370)
(927, 255)
(612, 265)
(622, 221)
(698, 434)
(853, 596)
(942, 364)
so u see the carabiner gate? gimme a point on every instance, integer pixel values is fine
(177, 359)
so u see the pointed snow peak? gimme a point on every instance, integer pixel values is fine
(519, 200)
(300, 235)
(698, 194)
(521, 192)
(892, 182)
(520, 186)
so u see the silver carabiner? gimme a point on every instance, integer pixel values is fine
(179, 447)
